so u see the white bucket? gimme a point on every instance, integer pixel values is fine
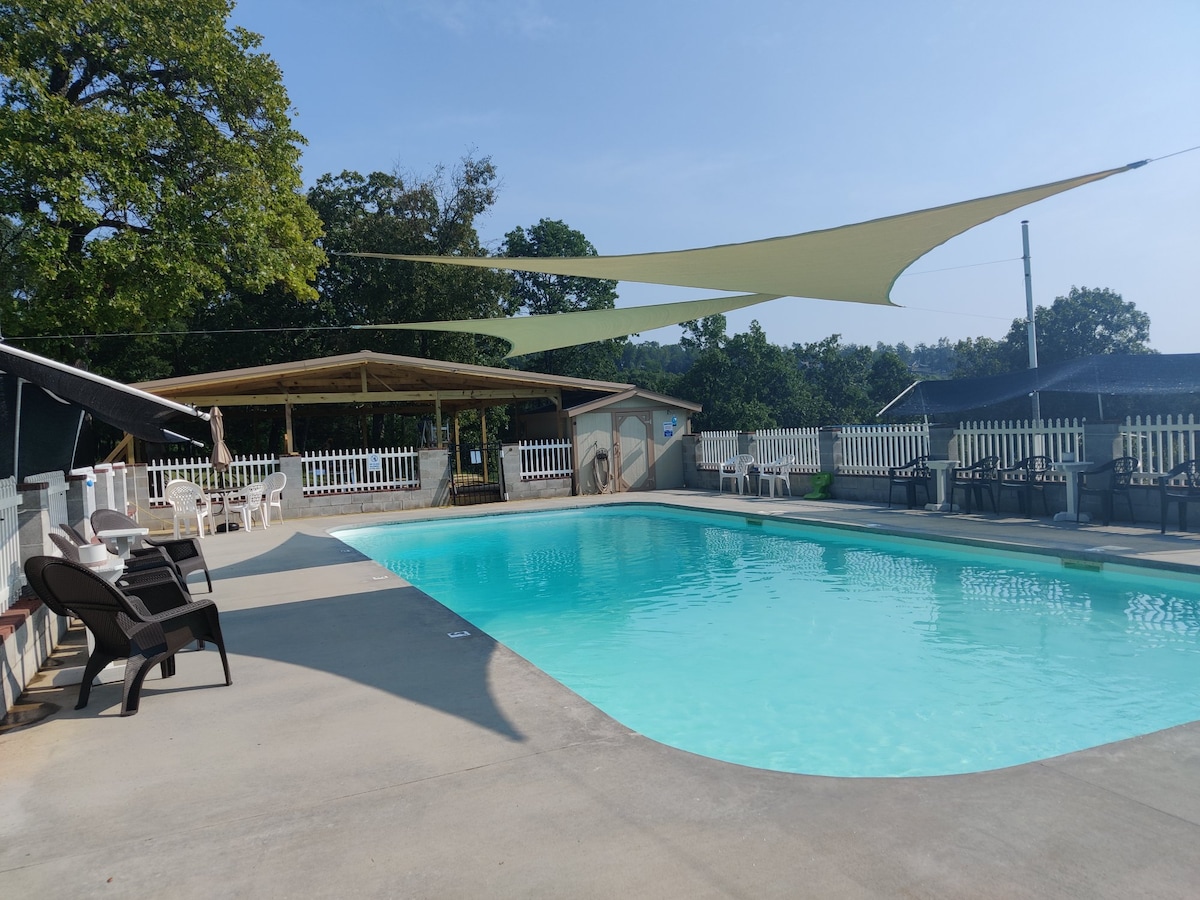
(93, 554)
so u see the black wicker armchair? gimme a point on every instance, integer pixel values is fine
(123, 626)
(183, 554)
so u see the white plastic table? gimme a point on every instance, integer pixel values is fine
(943, 476)
(1072, 510)
(122, 539)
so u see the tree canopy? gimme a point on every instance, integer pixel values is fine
(396, 213)
(1086, 322)
(147, 166)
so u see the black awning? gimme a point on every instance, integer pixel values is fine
(44, 422)
(1108, 374)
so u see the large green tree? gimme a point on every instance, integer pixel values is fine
(539, 295)
(1086, 322)
(744, 382)
(148, 166)
(396, 213)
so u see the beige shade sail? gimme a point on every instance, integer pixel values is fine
(854, 263)
(533, 334)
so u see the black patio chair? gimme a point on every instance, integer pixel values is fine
(183, 554)
(976, 480)
(1109, 481)
(1028, 479)
(1188, 472)
(123, 625)
(910, 476)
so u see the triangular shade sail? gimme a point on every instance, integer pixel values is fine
(854, 263)
(533, 334)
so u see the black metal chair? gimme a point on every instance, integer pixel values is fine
(910, 476)
(1029, 479)
(183, 554)
(123, 625)
(1115, 478)
(976, 480)
(1185, 491)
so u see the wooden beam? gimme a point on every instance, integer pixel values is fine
(427, 396)
(124, 448)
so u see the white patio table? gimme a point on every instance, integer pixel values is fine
(1072, 469)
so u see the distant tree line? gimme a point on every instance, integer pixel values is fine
(153, 224)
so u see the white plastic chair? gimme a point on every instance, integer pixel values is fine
(189, 504)
(273, 496)
(250, 501)
(738, 469)
(778, 471)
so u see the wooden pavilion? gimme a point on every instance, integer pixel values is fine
(369, 382)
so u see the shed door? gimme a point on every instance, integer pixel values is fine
(635, 445)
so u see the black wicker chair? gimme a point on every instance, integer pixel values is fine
(123, 625)
(976, 481)
(184, 554)
(1188, 491)
(1108, 481)
(1029, 480)
(910, 476)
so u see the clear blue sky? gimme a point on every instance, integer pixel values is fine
(664, 125)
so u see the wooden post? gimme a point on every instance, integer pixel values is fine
(287, 429)
(437, 414)
(483, 441)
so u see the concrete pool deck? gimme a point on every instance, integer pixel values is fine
(362, 751)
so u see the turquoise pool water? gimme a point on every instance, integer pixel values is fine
(811, 650)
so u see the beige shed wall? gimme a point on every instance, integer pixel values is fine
(594, 430)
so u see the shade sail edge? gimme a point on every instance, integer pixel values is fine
(533, 334)
(856, 263)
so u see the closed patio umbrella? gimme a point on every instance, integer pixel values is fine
(221, 457)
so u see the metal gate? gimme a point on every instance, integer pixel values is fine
(475, 474)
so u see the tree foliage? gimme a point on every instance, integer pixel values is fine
(539, 294)
(1086, 322)
(743, 382)
(147, 166)
(394, 213)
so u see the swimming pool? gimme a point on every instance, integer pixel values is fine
(812, 650)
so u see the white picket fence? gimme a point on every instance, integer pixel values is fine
(1160, 444)
(11, 577)
(715, 447)
(873, 449)
(778, 443)
(242, 471)
(343, 471)
(546, 459)
(1059, 439)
